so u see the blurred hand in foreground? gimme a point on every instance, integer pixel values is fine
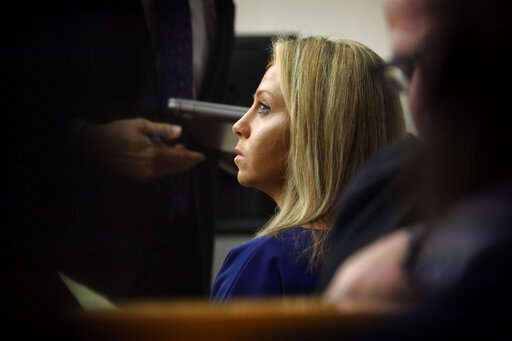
(374, 273)
(139, 149)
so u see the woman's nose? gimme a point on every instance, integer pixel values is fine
(241, 127)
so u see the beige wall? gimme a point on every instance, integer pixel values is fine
(360, 20)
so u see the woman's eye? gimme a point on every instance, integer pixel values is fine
(263, 109)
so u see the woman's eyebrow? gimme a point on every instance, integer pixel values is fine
(260, 91)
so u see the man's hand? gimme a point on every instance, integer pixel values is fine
(129, 148)
(375, 273)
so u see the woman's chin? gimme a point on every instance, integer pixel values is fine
(241, 179)
(244, 180)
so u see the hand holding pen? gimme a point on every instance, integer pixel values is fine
(139, 149)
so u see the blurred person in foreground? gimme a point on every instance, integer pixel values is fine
(318, 114)
(453, 266)
(385, 194)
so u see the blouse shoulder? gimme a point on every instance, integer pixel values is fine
(265, 266)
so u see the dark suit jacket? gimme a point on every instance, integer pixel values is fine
(380, 199)
(95, 60)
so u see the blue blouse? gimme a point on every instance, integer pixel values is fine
(267, 266)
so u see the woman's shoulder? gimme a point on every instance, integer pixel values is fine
(274, 245)
(261, 266)
(268, 249)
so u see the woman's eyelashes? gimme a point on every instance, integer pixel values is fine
(263, 109)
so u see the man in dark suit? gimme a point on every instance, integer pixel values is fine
(89, 84)
(454, 263)
(384, 195)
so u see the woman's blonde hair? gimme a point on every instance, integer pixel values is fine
(340, 113)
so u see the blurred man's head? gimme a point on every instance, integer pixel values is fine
(458, 86)
(472, 95)
(412, 25)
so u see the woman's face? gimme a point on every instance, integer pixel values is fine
(263, 134)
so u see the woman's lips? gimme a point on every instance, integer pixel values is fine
(239, 154)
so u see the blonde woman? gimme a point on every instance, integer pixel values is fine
(318, 114)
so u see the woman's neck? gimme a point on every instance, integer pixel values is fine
(321, 224)
(278, 196)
